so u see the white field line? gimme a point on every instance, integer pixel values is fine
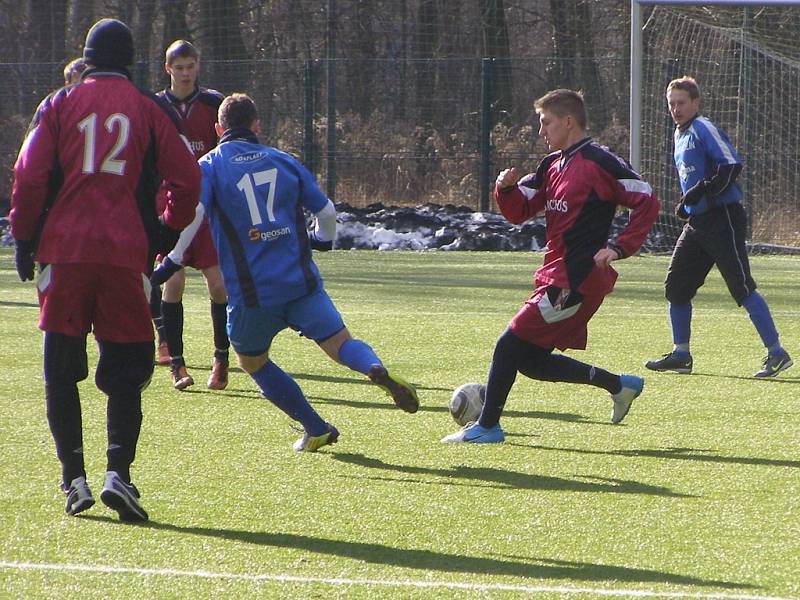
(407, 583)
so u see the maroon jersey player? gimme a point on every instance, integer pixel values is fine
(579, 187)
(83, 206)
(196, 108)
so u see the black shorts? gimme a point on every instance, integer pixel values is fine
(714, 238)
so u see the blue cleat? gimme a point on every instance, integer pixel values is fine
(631, 388)
(473, 433)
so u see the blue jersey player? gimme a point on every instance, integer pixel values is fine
(254, 197)
(714, 234)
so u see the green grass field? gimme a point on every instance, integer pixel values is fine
(696, 494)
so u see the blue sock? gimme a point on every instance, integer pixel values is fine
(283, 392)
(680, 318)
(358, 356)
(757, 308)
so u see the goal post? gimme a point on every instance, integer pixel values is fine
(745, 56)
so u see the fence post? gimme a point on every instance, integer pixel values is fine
(330, 110)
(487, 67)
(308, 117)
(743, 142)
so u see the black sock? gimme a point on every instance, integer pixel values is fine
(172, 313)
(502, 374)
(123, 372)
(65, 364)
(557, 367)
(219, 321)
(155, 312)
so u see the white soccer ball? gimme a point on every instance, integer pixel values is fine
(467, 402)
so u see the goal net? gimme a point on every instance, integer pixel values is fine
(746, 60)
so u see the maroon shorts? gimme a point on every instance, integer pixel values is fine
(201, 253)
(75, 299)
(547, 323)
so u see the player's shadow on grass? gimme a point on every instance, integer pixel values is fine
(783, 378)
(504, 479)
(356, 380)
(427, 561)
(19, 304)
(695, 454)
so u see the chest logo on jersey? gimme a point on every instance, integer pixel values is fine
(684, 170)
(684, 143)
(247, 157)
(557, 205)
(197, 145)
(256, 235)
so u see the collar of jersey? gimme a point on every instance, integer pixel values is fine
(188, 100)
(566, 155)
(238, 133)
(105, 72)
(688, 123)
(569, 152)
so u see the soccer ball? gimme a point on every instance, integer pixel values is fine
(467, 402)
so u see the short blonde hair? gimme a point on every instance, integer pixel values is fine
(73, 69)
(564, 102)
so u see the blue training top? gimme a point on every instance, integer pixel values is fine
(699, 149)
(254, 197)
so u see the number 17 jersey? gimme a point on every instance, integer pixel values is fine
(254, 196)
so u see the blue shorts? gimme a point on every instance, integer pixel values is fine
(252, 329)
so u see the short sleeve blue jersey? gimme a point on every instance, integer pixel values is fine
(699, 149)
(254, 196)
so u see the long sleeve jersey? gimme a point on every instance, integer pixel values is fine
(89, 169)
(579, 190)
(704, 155)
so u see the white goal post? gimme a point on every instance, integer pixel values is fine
(748, 69)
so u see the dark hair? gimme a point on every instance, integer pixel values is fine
(564, 102)
(687, 84)
(109, 43)
(74, 68)
(237, 111)
(181, 49)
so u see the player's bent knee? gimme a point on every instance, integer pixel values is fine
(678, 295)
(65, 361)
(513, 349)
(124, 368)
(250, 364)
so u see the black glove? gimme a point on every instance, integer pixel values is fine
(24, 260)
(680, 212)
(318, 244)
(167, 238)
(164, 271)
(694, 194)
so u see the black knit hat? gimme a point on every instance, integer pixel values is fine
(109, 43)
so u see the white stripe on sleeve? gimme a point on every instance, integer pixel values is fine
(636, 185)
(718, 139)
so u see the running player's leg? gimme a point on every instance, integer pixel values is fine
(316, 317)
(252, 330)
